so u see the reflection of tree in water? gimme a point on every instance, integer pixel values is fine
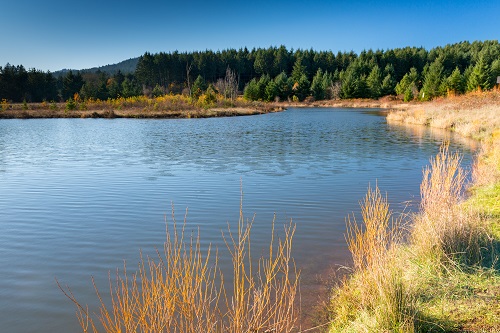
(280, 144)
(3, 163)
(422, 135)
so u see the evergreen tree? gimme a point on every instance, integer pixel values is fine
(432, 81)
(300, 88)
(354, 81)
(409, 81)
(158, 91)
(282, 59)
(389, 82)
(72, 83)
(455, 82)
(318, 90)
(264, 61)
(114, 88)
(130, 88)
(495, 71)
(327, 84)
(409, 96)
(298, 70)
(199, 86)
(261, 86)
(271, 91)
(480, 76)
(284, 86)
(145, 69)
(114, 85)
(251, 91)
(374, 82)
(50, 89)
(87, 91)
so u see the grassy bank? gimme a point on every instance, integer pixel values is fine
(168, 106)
(473, 115)
(437, 270)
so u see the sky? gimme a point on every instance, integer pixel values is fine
(57, 34)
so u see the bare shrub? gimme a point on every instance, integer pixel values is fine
(228, 87)
(183, 289)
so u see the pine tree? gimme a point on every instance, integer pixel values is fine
(318, 90)
(271, 91)
(353, 82)
(298, 70)
(251, 91)
(389, 82)
(301, 88)
(327, 84)
(199, 86)
(495, 72)
(284, 86)
(432, 81)
(72, 83)
(408, 81)
(374, 82)
(480, 76)
(262, 85)
(455, 82)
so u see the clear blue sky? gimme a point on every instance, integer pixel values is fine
(57, 34)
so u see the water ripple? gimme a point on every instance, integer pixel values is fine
(78, 196)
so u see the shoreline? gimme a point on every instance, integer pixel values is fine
(134, 113)
(443, 274)
(149, 109)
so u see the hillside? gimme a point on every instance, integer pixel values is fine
(126, 67)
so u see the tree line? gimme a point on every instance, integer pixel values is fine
(275, 73)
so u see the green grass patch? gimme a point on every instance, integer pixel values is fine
(486, 200)
(444, 278)
(461, 301)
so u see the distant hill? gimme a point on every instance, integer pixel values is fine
(126, 67)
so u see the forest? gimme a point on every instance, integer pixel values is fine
(273, 74)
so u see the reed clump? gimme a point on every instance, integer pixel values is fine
(182, 289)
(445, 229)
(375, 297)
(403, 277)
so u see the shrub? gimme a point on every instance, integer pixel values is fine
(183, 290)
(5, 104)
(70, 104)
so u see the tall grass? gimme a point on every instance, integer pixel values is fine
(395, 267)
(374, 298)
(182, 289)
(443, 228)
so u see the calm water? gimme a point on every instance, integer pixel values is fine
(77, 197)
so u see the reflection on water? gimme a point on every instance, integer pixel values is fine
(422, 134)
(78, 196)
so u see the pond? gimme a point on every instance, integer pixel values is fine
(80, 196)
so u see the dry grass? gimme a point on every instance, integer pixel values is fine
(475, 115)
(183, 289)
(443, 228)
(168, 106)
(375, 298)
(369, 242)
(486, 169)
(449, 259)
